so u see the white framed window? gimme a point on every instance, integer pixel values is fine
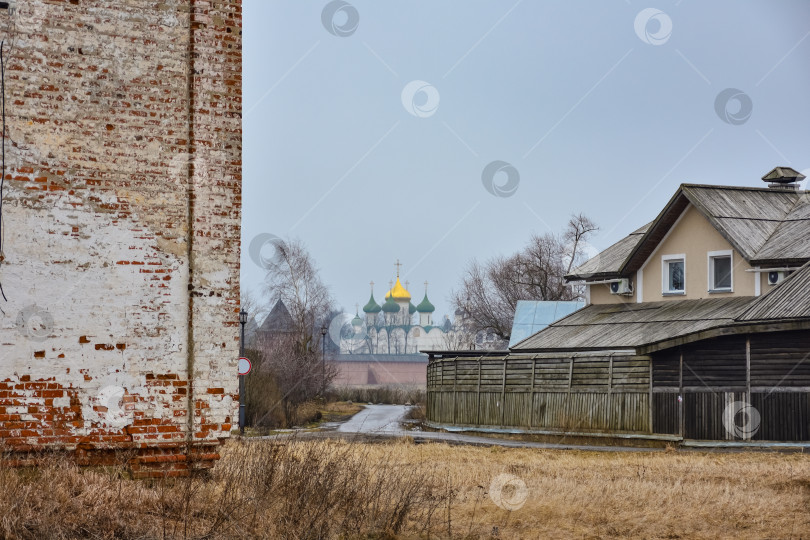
(721, 275)
(674, 274)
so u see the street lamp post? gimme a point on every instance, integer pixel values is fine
(323, 361)
(243, 317)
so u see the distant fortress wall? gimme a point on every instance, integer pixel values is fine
(371, 369)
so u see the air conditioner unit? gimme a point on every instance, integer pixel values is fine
(776, 277)
(621, 286)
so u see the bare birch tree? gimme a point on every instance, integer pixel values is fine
(579, 228)
(490, 291)
(293, 278)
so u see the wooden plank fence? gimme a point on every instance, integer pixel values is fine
(694, 391)
(696, 387)
(582, 392)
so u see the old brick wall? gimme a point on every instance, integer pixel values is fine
(120, 226)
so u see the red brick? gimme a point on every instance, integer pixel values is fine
(116, 183)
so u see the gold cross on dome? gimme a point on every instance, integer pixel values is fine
(426, 284)
(397, 264)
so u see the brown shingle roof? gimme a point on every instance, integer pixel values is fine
(609, 261)
(746, 217)
(617, 326)
(790, 241)
(765, 226)
(660, 324)
(790, 300)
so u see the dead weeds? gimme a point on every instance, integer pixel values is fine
(338, 489)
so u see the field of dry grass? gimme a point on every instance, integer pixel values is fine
(336, 489)
(645, 495)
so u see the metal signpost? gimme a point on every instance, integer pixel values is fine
(244, 368)
(323, 360)
(243, 316)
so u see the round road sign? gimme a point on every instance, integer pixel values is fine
(244, 366)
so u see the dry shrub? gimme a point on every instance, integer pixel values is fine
(342, 408)
(417, 412)
(306, 413)
(260, 489)
(389, 395)
(262, 396)
(326, 490)
(60, 500)
(293, 489)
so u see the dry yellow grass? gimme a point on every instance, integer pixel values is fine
(337, 489)
(341, 408)
(645, 495)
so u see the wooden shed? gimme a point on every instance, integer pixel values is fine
(709, 361)
(664, 368)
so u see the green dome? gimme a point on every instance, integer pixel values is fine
(357, 321)
(411, 308)
(425, 306)
(372, 306)
(390, 306)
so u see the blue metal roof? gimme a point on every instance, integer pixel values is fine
(532, 316)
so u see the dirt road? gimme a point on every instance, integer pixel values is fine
(385, 421)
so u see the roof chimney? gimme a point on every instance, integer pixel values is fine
(783, 178)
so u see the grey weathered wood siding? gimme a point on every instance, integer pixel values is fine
(693, 390)
(769, 371)
(574, 392)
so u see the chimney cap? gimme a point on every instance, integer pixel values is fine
(783, 175)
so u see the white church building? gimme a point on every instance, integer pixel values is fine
(397, 326)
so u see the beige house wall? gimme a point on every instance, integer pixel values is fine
(694, 237)
(600, 294)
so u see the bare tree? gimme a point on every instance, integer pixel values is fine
(292, 277)
(255, 308)
(288, 367)
(249, 302)
(294, 374)
(490, 291)
(252, 304)
(460, 337)
(373, 333)
(579, 228)
(484, 304)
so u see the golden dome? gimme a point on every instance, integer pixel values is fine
(398, 292)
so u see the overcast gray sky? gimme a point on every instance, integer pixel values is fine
(600, 107)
